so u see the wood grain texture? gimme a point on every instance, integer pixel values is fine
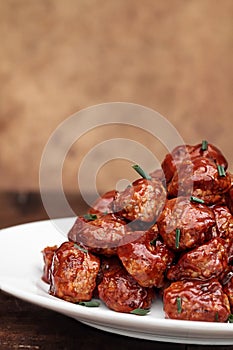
(58, 57)
(25, 326)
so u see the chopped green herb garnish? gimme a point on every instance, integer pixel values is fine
(204, 145)
(196, 200)
(179, 304)
(140, 312)
(80, 248)
(221, 171)
(230, 318)
(177, 238)
(90, 217)
(141, 172)
(90, 303)
(153, 242)
(216, 316)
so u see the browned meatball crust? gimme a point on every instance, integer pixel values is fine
(142, 201)
(228, 287)
(120, 292)
(199, 178)
(224, 221)
(108, 265)
(193, 222)
(211, 152)
(47, 253)
(205, 262)
(186, 153)
(196, 301)
(173, 160)
(73, 273)
(102, 235)
(224, 225)
(146, 259)
(229, 195)
(102, 204)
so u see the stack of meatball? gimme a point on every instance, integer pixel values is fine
(168, 235)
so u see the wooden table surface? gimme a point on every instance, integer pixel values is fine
(27, 326)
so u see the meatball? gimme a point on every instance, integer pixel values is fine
(224, 224)
(229, 196)
(48, 253)
(142, 201)
(102, 204)
(73, 273)
(108, 266)
(186, 153)
(211, 152)
(205, 262)
(199, 178)
(146, 259)
(173, 160)
(228, 287)
(184, 224)
(120, 292)
(196, 301)
(102, 235)
(224, 221)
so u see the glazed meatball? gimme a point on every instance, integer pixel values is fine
(142, 201)
(224, 221)
(146, 259)
(207, 261)
(228, 287)
(199, 178)
(186, 153)
(120, 292)
(102, 235)
(229, 196)
(73, 273)
(211, 152)
(108, 266)
(184, 224)
(102, 204)
(196, 301)
(173, 160)
(224, 224)
(48, 253)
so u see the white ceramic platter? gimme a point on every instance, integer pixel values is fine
(21, 267)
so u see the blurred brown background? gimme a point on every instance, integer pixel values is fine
(58, 57)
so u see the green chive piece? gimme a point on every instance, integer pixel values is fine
(80, 248)
(196, 200)
(204, 145)
(90, 303)
(216, 316)
(230, 318)
(141, 172)
(140, 312)
(221, 171)
(90, 217)
(177, 238)
(153, 242)
(179, 304)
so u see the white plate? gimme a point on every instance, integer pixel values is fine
(21, 266)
